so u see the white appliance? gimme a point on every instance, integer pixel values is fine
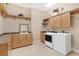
(60, 42)
(49, 39)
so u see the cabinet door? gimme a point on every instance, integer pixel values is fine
(51, 22)
(66, 19)
(29, 40)
(4, 49)
(57, 21)
(3, 8)
(22, 39)
(9, 45)
(42, 37)
(15, 40)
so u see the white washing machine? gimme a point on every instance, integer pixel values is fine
(62, 43)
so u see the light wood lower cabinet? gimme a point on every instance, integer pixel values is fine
(15, 40)
(19, 40)
(28, 40)
(9, 46)
(42, 37)
(3, 49)
(22, 39)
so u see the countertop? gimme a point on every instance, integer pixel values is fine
(50, 33)
(5, 37)
(44, 31)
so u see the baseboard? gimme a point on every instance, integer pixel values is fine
(76, 50)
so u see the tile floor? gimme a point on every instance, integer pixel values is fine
(37, 49)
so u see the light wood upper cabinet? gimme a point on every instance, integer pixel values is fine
(57, 21)
(65, 19)
(3, 9)
(6, 14)
(62, 20)
(51, 22)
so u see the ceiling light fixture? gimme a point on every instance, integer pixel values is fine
(49, 4)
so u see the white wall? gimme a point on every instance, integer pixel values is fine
(12, 24)
(36, 19)
(3, 38)
(66, 6)
(1, 24)
(15, 10)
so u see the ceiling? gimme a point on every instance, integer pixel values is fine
(40, 6)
